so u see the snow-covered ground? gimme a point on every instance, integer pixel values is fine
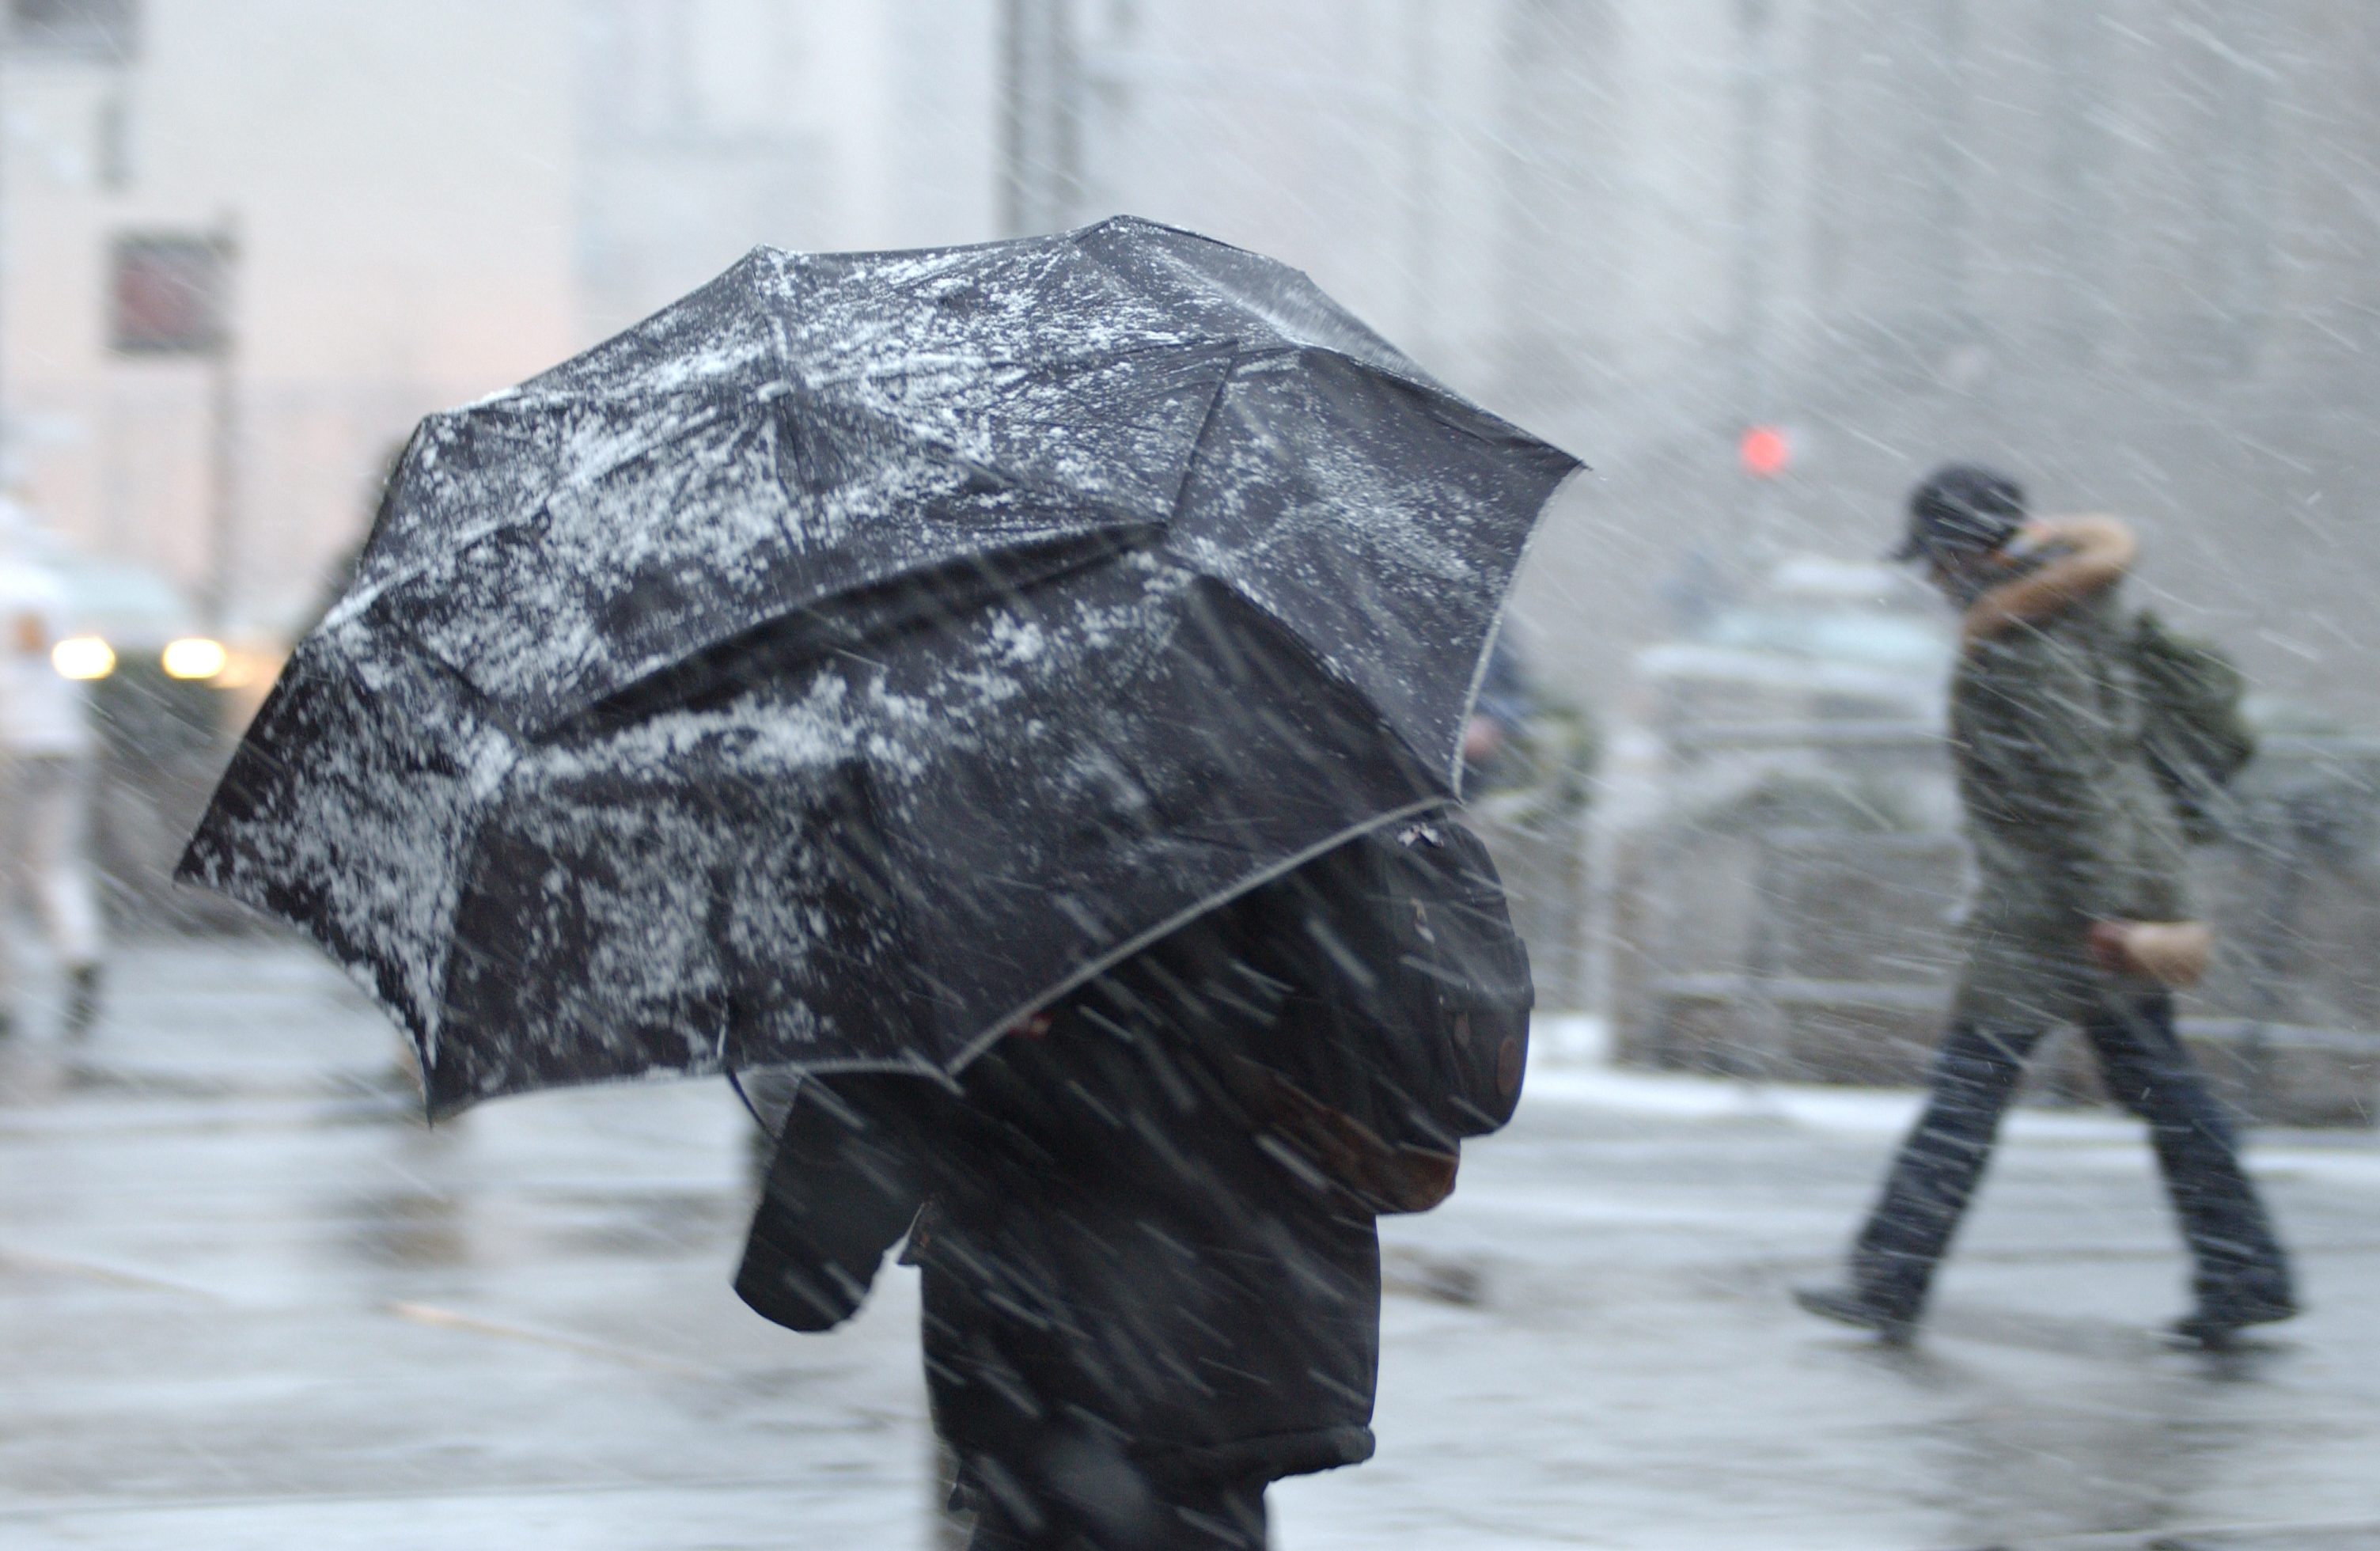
(244, 1303)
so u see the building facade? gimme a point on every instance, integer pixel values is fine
(427, 202)
(2126, 246)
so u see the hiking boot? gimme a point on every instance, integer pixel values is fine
(2218, 1328)
(1848, 1305)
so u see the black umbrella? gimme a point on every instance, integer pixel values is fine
(865, 649)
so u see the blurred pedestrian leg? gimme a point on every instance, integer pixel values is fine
(1190, 1516)
(50, 801)
(1931, 1180)
(2242, 1269)
(47, 747)
(2243, 1273)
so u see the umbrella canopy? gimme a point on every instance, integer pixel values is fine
(868, 648)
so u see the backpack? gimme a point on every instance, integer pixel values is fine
(1411, 991)
(2193, 730)
(1369, 1009)
(1386, 966)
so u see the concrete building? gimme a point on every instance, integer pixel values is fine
(703, 126)
(431, 200)
(398, 182)
(2126, 246)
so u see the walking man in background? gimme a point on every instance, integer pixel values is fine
(45, 780)
(2079, 915)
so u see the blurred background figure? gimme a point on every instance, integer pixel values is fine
(47, 771)
(1499, 719)
(2080, 911)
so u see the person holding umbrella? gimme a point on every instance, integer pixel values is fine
(1151, 1278)
(872, 667)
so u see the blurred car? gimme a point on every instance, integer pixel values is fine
(1820, 640)
(164, 699)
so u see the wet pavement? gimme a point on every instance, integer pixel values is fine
(247, 1301)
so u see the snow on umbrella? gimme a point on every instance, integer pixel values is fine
(867, 647)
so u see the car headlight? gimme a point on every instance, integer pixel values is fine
(195, 657)
(83, 657)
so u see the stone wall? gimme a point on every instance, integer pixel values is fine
(1745, 939)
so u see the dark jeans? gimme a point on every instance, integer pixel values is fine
(2242, 1268)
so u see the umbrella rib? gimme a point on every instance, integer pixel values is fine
(1117, 955)
(359, 598)
(1445, 406)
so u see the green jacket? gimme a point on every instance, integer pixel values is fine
(2068, 825)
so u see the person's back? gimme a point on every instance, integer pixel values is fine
(1150, 1273)
(1129, 1303)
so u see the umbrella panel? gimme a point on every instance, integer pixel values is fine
(349, 806)
(766, 505)
(1371, 524)
(839, 583)
(880, 855)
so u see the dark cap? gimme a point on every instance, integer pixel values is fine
(1962, 509)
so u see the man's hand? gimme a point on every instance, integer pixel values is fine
(1482, 736)
(2172, 953)
(2100, 551)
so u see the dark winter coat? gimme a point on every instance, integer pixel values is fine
(2068, 824)
(1147, 1230)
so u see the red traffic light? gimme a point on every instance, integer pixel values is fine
(1766, 452)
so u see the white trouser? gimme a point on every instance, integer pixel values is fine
(48, 819)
